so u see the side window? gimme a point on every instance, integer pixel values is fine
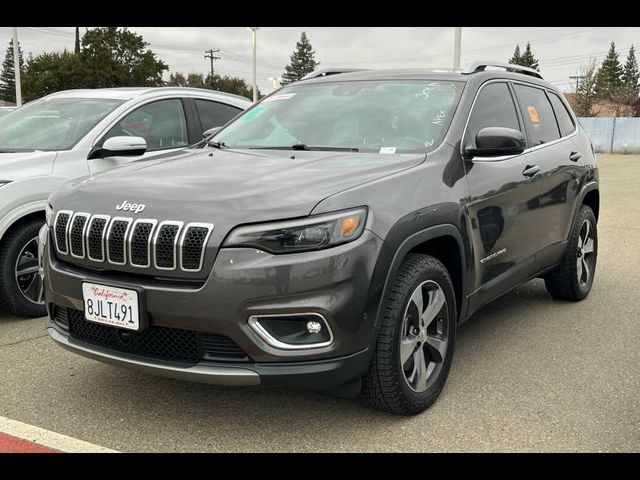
(564, 118)
(214, 114)
(162, 124)
(494, 107)
(538, 115)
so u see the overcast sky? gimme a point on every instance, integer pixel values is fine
(560, 50)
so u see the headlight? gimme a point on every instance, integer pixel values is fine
(49, 214)
(312, 233)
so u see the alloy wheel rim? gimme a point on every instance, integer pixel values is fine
(424, 336)
(586, 253)
(27, 274)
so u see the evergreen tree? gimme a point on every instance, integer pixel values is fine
(528, 59)
(302, 61)
(517, 56)
(609, 78)
(7, 76)
(76, 48)
(631, 78)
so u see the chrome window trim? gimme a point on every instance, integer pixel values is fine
(131, 231)
(209, 226)
(517, 107)
(87, 216)
(104, 231)
(175, 244)
(124, 241)
(55, 230)
(254, 323)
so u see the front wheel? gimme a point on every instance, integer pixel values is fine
(21, 286)
(414, 349)
(573, 278)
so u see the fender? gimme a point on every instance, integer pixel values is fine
(16, 214)
(416, 239)
(593, 185)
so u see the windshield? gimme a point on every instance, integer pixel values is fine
(398, 116)
(52, 124)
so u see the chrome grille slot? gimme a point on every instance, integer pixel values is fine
(166, 243)
(193, 242)
(60, 230)
(116, 240)
(95, 237)
(140, 242)
(76, 234)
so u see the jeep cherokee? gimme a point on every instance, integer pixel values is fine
(331, 237)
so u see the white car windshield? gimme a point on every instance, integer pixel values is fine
(384, 116)
(52, 124)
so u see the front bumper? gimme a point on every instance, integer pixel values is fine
(244, 282)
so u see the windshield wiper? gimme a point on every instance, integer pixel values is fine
(217, 144)
(302, 146)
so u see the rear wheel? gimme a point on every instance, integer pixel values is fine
(414, 349)
(573, 278)
(21, 287)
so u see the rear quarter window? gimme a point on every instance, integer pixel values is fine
(565, 121)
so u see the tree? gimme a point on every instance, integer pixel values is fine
(528, 59)
(302, 61)
(226, 83)
(631, 78)
(51, 72)
(517, 56)
(584, 97)
(609, 77)
(7, 76)
(119, 58)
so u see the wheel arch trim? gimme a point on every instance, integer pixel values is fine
(17, 214)
(412, 241)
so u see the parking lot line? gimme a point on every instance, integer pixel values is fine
(18, 437)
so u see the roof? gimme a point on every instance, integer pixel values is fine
(127, 93)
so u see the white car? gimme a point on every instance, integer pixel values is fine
(74, 133)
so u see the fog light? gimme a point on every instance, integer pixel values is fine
(314, 327)
(292, 331)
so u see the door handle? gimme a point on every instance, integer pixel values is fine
(575, 156)
(531, 170)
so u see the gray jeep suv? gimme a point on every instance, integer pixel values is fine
(331, 237)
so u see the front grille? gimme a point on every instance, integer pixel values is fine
(123, 241)
(173, 344)
(139, 243)
(194, 239)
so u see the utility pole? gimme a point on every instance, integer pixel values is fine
(210, 55)
(456, 48)
(255, 82)
(16, 65)
(577, 78)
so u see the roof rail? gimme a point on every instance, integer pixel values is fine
(324, 72)
(475, 67)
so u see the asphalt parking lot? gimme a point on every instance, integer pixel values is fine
(529, 374)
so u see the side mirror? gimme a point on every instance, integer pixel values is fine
(496, 142)
(210, 133)
(120, 147)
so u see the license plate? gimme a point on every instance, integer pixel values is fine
(113, 306)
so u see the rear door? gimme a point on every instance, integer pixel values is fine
(550, 131)
(505, 219)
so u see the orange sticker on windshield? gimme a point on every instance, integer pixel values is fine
(533, 114)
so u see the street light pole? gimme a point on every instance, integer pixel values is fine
(16, 65)
(456, 48)
(255, 82)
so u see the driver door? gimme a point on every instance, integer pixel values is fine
(163, 125)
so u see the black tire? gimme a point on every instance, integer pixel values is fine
(563, 282)
(386, 386)
(12, 300)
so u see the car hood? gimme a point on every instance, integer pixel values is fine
(18, 165)
(230, 187)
